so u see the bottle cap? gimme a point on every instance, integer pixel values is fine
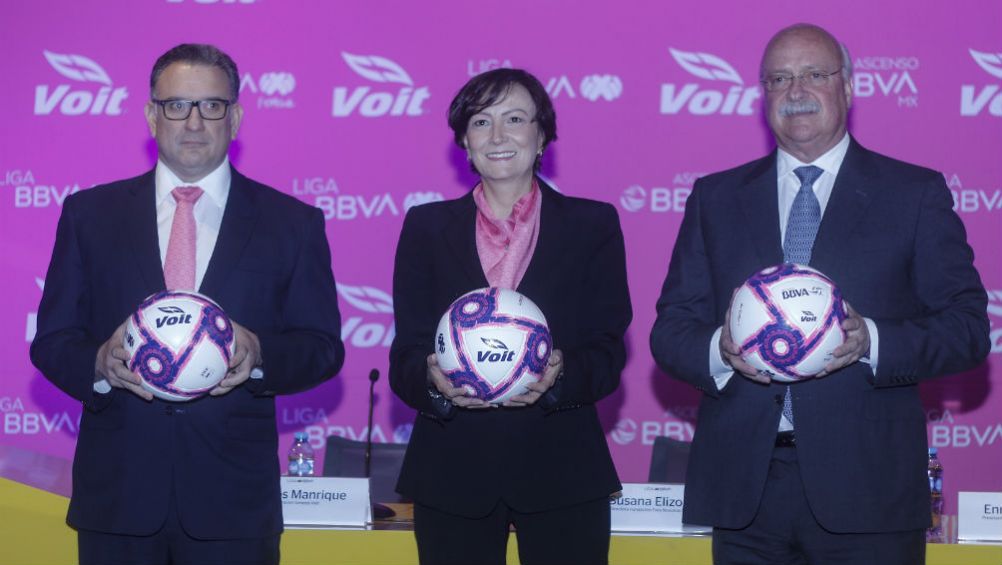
(301, 436)
(933, 451)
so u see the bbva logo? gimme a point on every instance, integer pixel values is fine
(106, 100)
(369, 103)
(734, 99)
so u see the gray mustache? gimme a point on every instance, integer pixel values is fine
(801, 107)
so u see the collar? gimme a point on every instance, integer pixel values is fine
(830, 161)
(215, 185)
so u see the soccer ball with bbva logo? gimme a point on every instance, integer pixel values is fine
(493, 342)
(180, 344)
(787, 319)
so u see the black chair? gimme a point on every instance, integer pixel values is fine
(346, 458)
(669, 459)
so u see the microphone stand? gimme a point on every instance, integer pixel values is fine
(379, 511)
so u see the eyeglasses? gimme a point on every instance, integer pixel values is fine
(783, 81)
(208, 109)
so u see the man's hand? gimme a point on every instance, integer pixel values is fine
(857, 343)
(731, 352)
(554, 368)
(110, 365)
(246, 356)
(459, 396)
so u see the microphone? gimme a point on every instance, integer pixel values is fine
(379, 511)
(373, 377)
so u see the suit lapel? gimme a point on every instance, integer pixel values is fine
(141, 225)
(549, 242)
(849, 199)
(239, 217)
(759, 202)
(461, 238)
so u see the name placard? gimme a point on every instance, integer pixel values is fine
(979, 516)
(325, 501)
(651, 507)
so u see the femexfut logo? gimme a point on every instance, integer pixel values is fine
(718, 98)
(370, 103)
(273, 89)
(74, 99)
(973, 99)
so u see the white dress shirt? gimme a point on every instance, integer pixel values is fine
(788, 185)
(208, 218)
(208, 211)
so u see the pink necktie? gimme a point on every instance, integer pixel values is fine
(179, 266)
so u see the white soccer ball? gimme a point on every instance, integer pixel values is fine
(493, 342)
(787, 319)
(180, 344)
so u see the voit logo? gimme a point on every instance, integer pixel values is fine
(974, 100)
(372, 323)
(723, 92)
(29, 193)
(92, 91)
(497, 351)
(395, 94)
(969, 200)
(888, 78)
(659, 199)
(995, 319)
(272, 89)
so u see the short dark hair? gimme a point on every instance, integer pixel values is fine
(490, 87)
(198, 54)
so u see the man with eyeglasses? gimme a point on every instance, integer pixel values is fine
(830, 470)
(157, 482)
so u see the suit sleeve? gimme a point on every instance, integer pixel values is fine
(414, 315)
(594, 363)
(305, 349)
(951, 334)
(687, 311)
(65, 348)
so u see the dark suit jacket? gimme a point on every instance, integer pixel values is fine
(891, 241)
(270, 271)
(545, 456)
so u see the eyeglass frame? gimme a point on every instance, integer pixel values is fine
(801, 78)
(193, 104)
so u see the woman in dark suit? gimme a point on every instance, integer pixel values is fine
(540, 461)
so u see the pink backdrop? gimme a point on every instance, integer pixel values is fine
(345, 108)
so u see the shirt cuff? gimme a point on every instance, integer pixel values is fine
(719, 369)
(871, 359)
(102, 386)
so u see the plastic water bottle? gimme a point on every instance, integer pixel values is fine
(301, 456)
(935, 532)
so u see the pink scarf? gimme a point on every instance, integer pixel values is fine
(506, 246)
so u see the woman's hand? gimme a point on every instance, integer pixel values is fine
(554, 368)
(459, 396)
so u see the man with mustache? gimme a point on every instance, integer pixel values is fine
(157, 482)
(830, 470)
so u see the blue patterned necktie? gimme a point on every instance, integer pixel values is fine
(801, 227)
